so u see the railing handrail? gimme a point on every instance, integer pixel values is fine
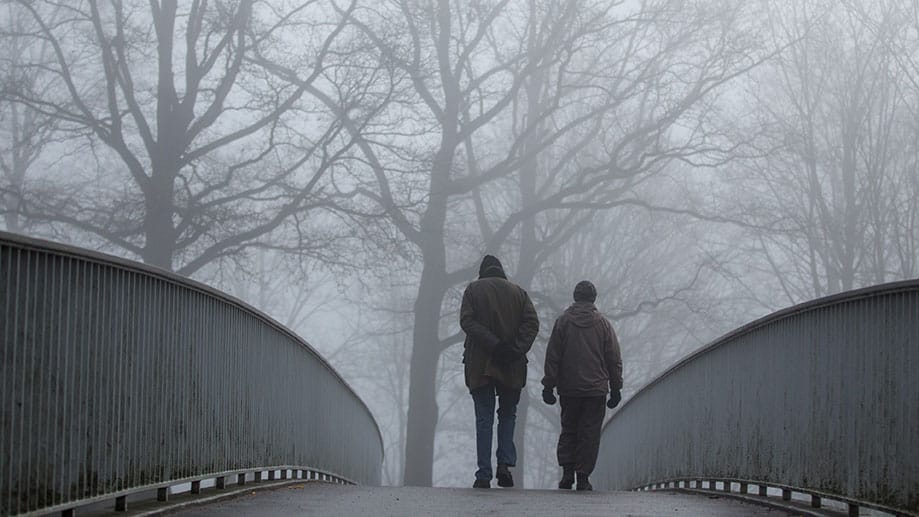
(807, 306)
(685, 483)
(151, 379)
(818, 397)
(25, 242)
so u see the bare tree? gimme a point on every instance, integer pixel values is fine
(27, 132)
(836, 123)
(896, 26)
(623, 84)
(203, 152)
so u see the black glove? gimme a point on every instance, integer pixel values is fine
(548, 396)
(505, 353)
(614, 397)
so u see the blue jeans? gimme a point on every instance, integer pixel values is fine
(484, 400)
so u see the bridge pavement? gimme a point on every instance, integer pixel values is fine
(363, 501)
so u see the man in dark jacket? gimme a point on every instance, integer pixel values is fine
(582, 361)
(500, 324)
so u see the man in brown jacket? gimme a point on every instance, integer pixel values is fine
(582, 361)
(501, 325)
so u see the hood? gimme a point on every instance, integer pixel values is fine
(583, 314)
(491, 267)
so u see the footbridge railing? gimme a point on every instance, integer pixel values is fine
(117, 378)
(821, 398)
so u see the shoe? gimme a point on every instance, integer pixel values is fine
(481, 483)
(567, 478)
(505, 479)
(584, 483)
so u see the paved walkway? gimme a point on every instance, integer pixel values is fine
(340, 500)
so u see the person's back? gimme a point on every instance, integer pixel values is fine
(492, 312)
(581, 366)
(500, 324)
(582, 361)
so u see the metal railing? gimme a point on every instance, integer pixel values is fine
(116, 377)
(821, 397)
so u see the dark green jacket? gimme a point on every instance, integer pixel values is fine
(496, 310)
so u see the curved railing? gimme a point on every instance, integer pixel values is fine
(821, 398)
(116, 378)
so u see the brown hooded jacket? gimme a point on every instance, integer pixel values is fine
(582, 357)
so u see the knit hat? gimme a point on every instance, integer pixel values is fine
(585, 292)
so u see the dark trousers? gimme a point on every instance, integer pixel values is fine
(484, 400)
(579, 443)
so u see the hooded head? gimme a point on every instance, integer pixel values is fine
(491, 266)
(585, 292)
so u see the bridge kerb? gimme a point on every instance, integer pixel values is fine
(116, 377)
(821, 396)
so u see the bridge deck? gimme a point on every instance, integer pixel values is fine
(362, 501)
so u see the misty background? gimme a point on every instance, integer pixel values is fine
(344, 165)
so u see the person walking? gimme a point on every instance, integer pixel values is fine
(500, 325)
(582, 362)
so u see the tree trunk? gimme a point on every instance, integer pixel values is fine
(529, 245)
(422, 397)
(426, 346)
(11, 219)
(159, 229)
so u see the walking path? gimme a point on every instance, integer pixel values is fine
(361, 501)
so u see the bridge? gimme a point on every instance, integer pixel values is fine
(121, 384)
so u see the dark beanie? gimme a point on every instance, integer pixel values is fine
(490, 262)
(585, 292)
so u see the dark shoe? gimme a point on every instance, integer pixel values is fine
(584, 483)
(481, 483)
(505, 479)
(567, 478)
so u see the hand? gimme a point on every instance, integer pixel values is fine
(548, 396)
(505, 353)
(615, 396)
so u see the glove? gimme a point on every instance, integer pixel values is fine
(548, 396)
(614, 397)
(505, 353)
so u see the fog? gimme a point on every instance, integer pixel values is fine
(343, 166)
